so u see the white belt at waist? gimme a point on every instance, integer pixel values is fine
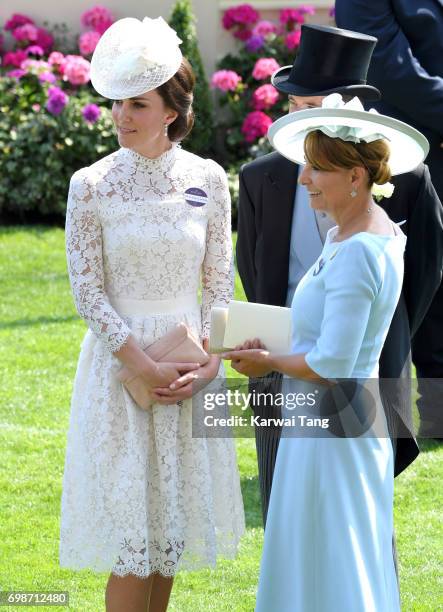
(128, 306)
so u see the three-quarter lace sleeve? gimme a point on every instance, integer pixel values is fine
(85, 265)
(218, 264)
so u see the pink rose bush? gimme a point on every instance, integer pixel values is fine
(225, 80)
(264, 97)
(243, 80)
(264, 68)
(240, 19)
(249, 103)
(255, 125)
(76, 70)
(58, 77)
(99, 18)
(292, 40)
(88, 41)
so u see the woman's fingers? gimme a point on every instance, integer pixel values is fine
(185, 367)
(166, 396)
(183, 380)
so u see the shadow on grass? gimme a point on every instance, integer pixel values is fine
(38, 321)
(251, 499)
(429, 444)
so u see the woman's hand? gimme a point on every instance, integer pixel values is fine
(250, 358)
(166, 373)
(182, 388)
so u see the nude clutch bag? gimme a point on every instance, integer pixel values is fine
(177, 346)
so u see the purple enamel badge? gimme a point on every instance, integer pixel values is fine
(196, 197)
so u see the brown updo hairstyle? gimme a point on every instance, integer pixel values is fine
(177, 95)
(328, 154)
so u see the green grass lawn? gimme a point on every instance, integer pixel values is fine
(39, 345)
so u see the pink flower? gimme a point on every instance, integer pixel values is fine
(45, 40)
(225, 80)
(17, 20)
(243, 14)
(16, 74)
(76, 69)
(264, 97)
(87, 42)
(26, 32)
(47, 77)
(14, 58)
(34, 50)
(56, 58)
(306, 9)
(264, 28)
(255, 125)
(102, 27)
(97, 17)
(36, 107)
(264, 68)
(292, 40)
(243, 34)
(291, 16)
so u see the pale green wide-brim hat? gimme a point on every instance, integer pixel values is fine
(349, 122)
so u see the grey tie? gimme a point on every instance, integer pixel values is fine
(324, 223)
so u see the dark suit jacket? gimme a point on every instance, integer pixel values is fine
(407, 64)
(267, 191)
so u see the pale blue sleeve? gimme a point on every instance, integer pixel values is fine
(352, 281)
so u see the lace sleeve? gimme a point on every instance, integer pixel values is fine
(85, 265)
(218, 265)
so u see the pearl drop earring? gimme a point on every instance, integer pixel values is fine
(166, 129)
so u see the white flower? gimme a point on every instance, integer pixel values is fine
(382, 191)
(154, 46)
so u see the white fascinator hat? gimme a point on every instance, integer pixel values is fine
(350, 122)
(133, 57)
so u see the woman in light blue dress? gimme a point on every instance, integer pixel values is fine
(328, 537)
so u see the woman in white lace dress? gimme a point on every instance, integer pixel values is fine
(146, 227)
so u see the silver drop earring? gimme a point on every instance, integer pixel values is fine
(353, 193)
(166, 129)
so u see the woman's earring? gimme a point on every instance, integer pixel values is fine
(166, 129)
(353, 193)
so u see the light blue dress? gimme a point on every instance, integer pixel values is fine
(328, 537)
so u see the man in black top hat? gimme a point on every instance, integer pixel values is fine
(280, 235)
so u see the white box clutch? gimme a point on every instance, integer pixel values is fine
(243, 321)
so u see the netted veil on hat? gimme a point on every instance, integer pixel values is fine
(133, 57)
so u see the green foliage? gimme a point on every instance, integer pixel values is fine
(182, 20)
(39, 151)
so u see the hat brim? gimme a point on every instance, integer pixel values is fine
(408, 146)
(280, 81)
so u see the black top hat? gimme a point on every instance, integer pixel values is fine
(329, 60)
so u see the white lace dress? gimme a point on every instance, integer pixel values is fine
(140, 494)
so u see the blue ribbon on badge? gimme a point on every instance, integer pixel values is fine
(196, 197)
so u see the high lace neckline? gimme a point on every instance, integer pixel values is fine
(151, 163)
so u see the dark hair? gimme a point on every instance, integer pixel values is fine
(177, 95)
(331, 153)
